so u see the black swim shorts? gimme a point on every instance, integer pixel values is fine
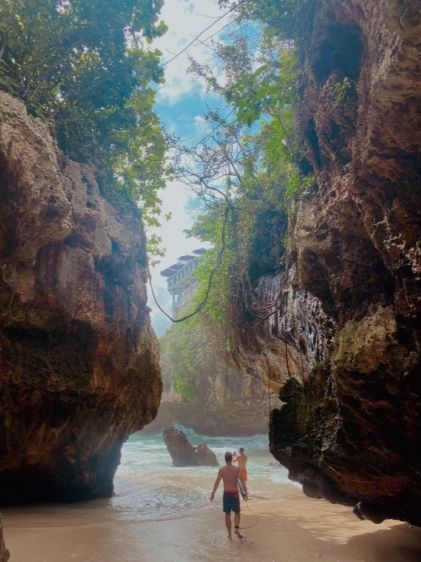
(231, 502)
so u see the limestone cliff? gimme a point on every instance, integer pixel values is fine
(203, 391)
(78, 360)
(347, 295)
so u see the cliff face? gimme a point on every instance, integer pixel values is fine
(203, 392)
(78, 360)
(349, 294)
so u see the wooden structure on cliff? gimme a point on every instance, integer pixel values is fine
(181, 283)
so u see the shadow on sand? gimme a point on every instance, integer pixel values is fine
(401, 543)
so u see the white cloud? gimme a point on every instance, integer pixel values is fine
(200, 124)
(185, 21)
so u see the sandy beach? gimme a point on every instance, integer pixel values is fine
(163, 514)
(297, 529)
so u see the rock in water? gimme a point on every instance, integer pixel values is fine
(205, 456)
(78, 360)
(183, 453)
(4, 553)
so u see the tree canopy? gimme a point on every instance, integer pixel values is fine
(87, 65)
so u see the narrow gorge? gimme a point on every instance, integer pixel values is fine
(291, 153)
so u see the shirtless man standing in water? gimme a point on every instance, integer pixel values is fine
(230, 474)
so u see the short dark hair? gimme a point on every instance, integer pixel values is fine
(228, 456)
(241, 450)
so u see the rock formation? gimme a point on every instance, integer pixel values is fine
(205, 456)
(78, 359)
(348, 291)
(183, 453)
(4, 553)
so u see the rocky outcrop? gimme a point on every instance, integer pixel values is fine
(4, 553)
(348, 296)
(183, 453)
(78, 360)
(205, 456)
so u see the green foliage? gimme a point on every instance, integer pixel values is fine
(248, 172)
(213, 227)
(292, 19)
(342, 89)
(183, 358)
(184, 388)
(86, 65)
(192, 356)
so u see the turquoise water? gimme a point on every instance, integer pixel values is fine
(152, 512)
(147, 486)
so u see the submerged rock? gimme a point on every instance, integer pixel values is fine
(179, 447)
(78, 360)
(183, 453)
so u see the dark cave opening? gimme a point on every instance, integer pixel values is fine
(340, 52)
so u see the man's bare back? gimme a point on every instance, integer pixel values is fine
(229, 475)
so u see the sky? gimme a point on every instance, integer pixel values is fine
(180, 103)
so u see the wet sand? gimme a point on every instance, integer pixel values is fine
(295, 529)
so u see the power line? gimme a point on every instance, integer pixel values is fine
(207, 28)
(209, 285)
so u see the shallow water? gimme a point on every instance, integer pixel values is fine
(148, 486)
(148, 490)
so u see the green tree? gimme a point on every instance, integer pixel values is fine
(292, 19)
(247, 170)
(87, 65)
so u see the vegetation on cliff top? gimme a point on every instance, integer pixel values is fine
(87, 66)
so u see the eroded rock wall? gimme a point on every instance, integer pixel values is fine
(78, 360)
(349, 303)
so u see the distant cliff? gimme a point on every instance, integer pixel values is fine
(348, 291)
(78, 360)
(203, 391)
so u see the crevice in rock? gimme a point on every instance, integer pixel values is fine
(339, 52)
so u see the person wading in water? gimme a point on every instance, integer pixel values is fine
(230, 475)
(242, 459)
